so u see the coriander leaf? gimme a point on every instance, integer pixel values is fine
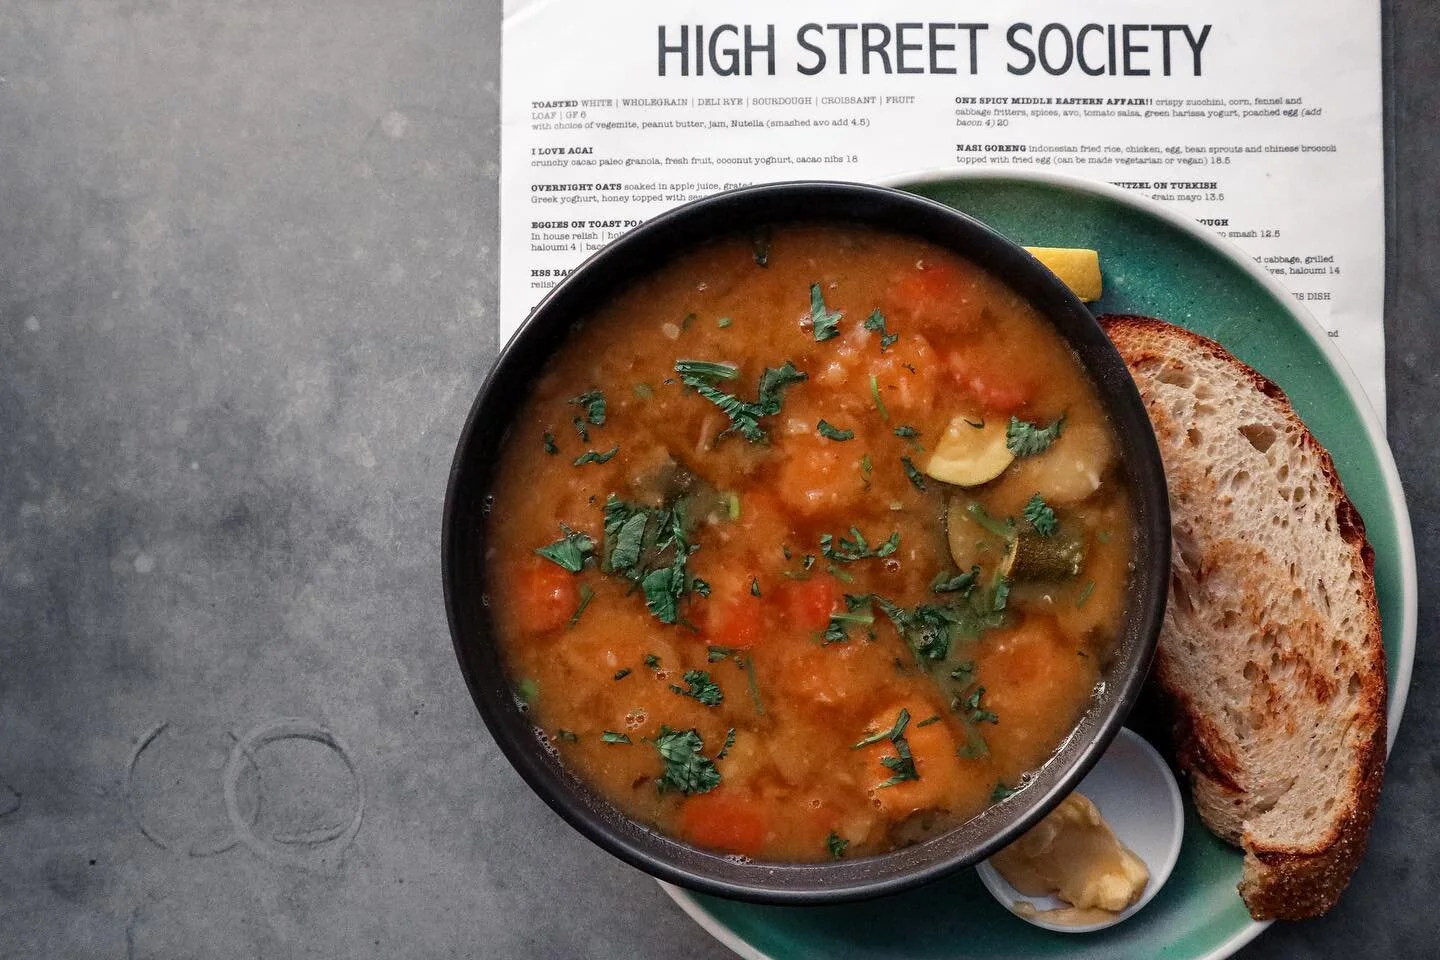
(701, 376)
(622, 673)
(906, 432)
(902, 766)
(856, 547)
(610, 736)
(594, 403)
(566, 735)
(591, 456)
(933, 718)
(662, 587)
(715, 654)
(833, 433)
(836, 844)
(772, 381)
(876, 324)
(687, 770)
(824, 322)
(972, 709)
(1025, 439)
(754, 586)
(586, 595)
(1041, 517)
(960, 583)
(895, 732)
(915, 476)
(706, 370)
(699, 685)
(1001, 595)
(700, 587)
(550, 447)
(652, 661)
(838, 630)
(729, 742)
(571, 551)
(1001, 792)
(1004, 529)
(723, 322)
(581, 429)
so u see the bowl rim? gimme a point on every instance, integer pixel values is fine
(786, 883)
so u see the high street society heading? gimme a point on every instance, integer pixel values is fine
(1092, 49)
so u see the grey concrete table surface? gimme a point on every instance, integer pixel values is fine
(247, 289)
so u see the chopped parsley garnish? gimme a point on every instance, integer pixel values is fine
(901, 766)
(932, 629)
(652, 661)
(876, 324)
(699, 685)
(716, 654)
(972, 709)
(701, 587)
(550, 447)
(1085, 592)
(906, 432)
(838, 630)
(729, 742)
(594, 403)
(649, 547)
(590, 456)
(1025, 439)
(807, 561)
(527, 690)
(723, 322)
(1004, 529)
(933, 718)
(915, 476)
(1000, 595)
(836, 844)
(687, 770)
(754, 586)
(960, 583)
(1041, 517)
(610, 736)
(1001, 792)
(838, 574)
(571, 551)
(825, 322)
(702, 376)
(566, 735)
(753, 688)
(622, 673)
(833, 433)
(856, 547)
(581, 429)
(866, 468)
(879, 404)
(586, 595)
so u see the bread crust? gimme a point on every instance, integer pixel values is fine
(1299, 879)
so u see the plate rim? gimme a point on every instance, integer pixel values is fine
(1394, 491)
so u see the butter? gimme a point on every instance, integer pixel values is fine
(1074, 855)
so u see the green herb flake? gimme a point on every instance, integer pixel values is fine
(687, 769)
(590, 456)
(825, 323)
(838, 629)
(550, 447)
(836, 844)
(856, 547)
(1001, 792)
(1001, 595)
(581, 429)
(838, 574)
(875, 393)
(622, 673)
(732, 506)
(917, 479)
(933, 718)
(1085, 592)
(906, 432)
(1041, 516)
(960, 583)
(833, 433)
(610, 736)
(807, 561)
(1025, 439)
(1004, 529)
(972, 708)
(901, 766)
(754, 586)
(571, 551)
(723, 322)
(729, 742)
(876, 324)
(703, 375)
(699, 685)
(593, 402)
(652, 661)
(701, 587)
(866, 468)
(566, 736)
(527, 690)
(586, 595)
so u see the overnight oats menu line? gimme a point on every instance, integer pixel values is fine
(1260, 122)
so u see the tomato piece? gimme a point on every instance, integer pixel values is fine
(938, 295)
(545, 597)
(734, 623)
(999, 388)
(725, 821)
(809, 603)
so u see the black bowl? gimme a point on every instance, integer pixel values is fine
(505, 390)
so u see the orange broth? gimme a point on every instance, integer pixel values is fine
(766, 651)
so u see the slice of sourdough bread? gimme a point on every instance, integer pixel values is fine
(1270, 652)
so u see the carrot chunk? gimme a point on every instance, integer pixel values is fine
(724, 821)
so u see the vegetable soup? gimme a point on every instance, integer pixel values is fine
(809, 545)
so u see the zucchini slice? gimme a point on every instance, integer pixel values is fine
(968, 455)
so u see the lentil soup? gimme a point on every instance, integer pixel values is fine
(809, 545)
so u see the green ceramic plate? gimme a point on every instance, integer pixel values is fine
(1159, 263)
